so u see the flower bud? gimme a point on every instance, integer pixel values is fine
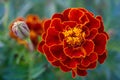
(20, 29)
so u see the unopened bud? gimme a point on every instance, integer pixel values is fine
(20, 29)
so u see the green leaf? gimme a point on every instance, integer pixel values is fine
(38, 70)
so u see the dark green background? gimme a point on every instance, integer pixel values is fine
(17, 63)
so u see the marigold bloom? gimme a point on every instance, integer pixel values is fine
(74, 40)
(35, 26)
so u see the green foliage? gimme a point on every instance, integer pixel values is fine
(17, 63)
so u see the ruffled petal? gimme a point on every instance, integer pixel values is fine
(57, 15)
(88, 46)
(69, 24)
(93, 57)
(86, 30)
(93, 23)
(46, 24)
(84, 20)
(81, 67)
(71, 63)
(56, 63)
(101, 58)
(106, 35)
(101, 29)
(56, 23)
(73, 73)
(75, 14)
(81, 72)
(57, 51)
(89, 59)
(83, 10)
(92, 65)
(100, 43)
(52, 37)
(61, 36)
(74, 52)
(43, 36)
(66, 13)
(64, 68)
(49, 56)
(40, 46)
(86, 11)
(37, 27)
(93, 33)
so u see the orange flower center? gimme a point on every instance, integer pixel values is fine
(74, 36)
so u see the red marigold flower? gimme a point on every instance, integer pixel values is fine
(74, 40)
(34, 24)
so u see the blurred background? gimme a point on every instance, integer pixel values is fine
(17, 63)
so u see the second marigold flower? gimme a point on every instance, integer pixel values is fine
(74, 40)
(29, 27)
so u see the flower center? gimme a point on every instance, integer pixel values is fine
(74, 36)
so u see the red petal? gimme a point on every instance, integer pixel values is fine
(57, 24)
(75, 14)
(81, 72)
(58, 16)
(92, 35)
(40, 46)
(85, 62)
(71, 63)
(83, 10)
(65, 44)
(101, 29)
(93, 57)
(100, 43)
(36, 27)
(106, 35)
(89, 59)
(88, 46)
(73, 73)
(71, 24)
(61, 36)
(92, 65)
(57, 51)
(86, 11)
(52, 37)
(46, 24)
(93, 23)
(44, 35)
(86, 30)
(101, 58)
(56, 63)
(81, 67)
(64, 68)
(66, 13)
(84, 20)
(78, 60)
(49, 56)
(74, 52)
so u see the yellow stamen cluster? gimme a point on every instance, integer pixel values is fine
(74, 36)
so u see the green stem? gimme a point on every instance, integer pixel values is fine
(31, 57)
(31, 64)
(30, 44)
